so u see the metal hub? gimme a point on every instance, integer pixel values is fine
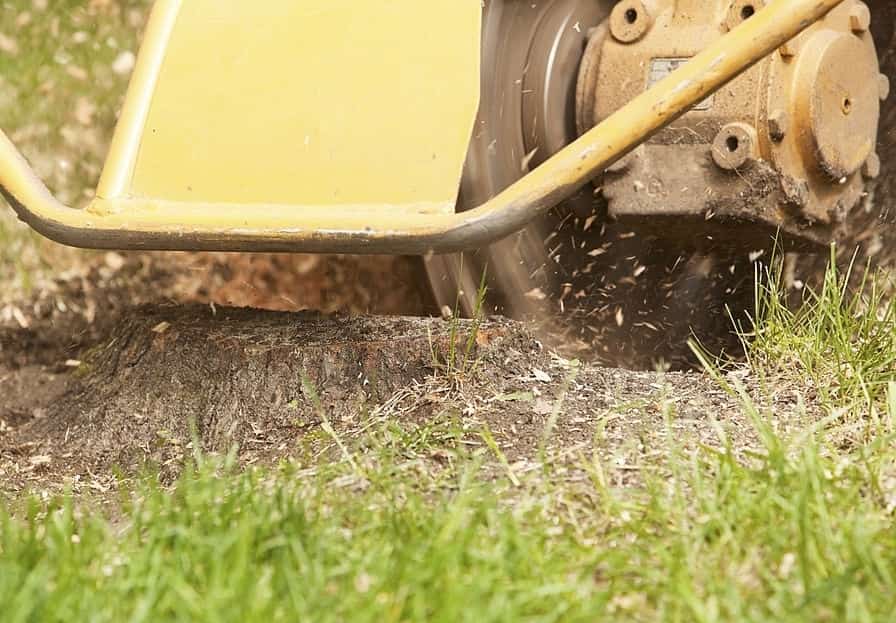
(840, 103)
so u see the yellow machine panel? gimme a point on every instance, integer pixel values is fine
(301, 102)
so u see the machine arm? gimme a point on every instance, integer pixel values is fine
(161, 225)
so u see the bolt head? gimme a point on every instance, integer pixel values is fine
(787, 50)
(629, 21)
(734, 146)
(883, 86)
(860, 18)
(871, 168)
(778, 125)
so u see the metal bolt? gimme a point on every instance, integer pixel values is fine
(778, 125)
(860, 18)
(787, 50)
(629, 21)
(871, 168)
(734, 145)
(883, 86)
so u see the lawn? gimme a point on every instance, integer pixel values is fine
(64, 66)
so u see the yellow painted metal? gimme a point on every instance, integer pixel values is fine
(122, 156)
(308, 103)
(228, 226)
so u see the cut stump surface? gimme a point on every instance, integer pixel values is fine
(273, 385)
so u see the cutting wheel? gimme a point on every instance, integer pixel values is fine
(530, 61)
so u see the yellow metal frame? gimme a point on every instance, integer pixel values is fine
(125, 144)
(165, 225)
(272, 102)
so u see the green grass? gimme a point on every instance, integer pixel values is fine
(803, 533)
(456, 359)
(799, 530)
(62, 53)
(841, 340)
(59, 98)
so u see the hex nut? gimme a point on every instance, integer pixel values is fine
(629, 21)
(860, 18)
(787, 50)
(778, 125)
(871, 168)
(734, 146)
(883, 86)
(742, 10)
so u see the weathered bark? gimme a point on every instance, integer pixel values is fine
(237, 378)
(266, 382)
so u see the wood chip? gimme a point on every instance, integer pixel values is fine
(541, 376)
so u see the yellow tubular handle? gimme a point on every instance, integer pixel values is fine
(168, 226)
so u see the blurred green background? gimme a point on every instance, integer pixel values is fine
(64, 67)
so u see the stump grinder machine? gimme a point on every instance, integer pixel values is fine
(435, 127)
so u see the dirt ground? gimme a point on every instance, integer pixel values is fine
(89, 396)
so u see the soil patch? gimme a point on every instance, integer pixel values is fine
(278, 384)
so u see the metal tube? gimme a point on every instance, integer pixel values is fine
(168, 226)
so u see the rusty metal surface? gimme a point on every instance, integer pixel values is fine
(786, 147)
(719, 176)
